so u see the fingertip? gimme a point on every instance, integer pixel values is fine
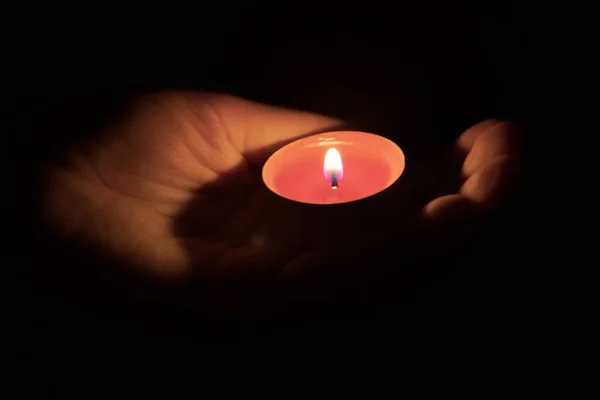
(497, 140)
(452, 206)
(494, 182)
(303, 265)
(448, 219)
(465, 141)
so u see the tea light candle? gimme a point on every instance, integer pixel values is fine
(334, 167)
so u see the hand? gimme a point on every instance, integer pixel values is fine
(173, 190)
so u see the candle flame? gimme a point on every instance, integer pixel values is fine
(333, 169)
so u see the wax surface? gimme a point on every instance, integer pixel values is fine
(371, 164)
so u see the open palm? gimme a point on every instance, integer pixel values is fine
(173, 189)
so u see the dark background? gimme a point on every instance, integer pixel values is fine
(461, 62)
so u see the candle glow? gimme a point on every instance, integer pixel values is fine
(333, 169)
(295, 171)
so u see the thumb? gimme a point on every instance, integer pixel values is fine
(258, 129)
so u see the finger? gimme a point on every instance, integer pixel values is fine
(449, 208)
(235, 276)
(477, 146)
(493, 183)
(465, 141)
(491, 141)
(325, 269)
(447, 219)
(246, 272)
(257, 129)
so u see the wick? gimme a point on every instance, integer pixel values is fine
(334, 181)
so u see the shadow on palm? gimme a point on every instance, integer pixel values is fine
(385, 244)
(246, 242)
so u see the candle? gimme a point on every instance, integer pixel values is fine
(334, 167)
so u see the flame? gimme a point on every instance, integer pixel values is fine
(333, 165)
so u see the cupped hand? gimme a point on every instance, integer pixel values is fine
(173, 189)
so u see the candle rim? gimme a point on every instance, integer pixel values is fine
(396, 173)
(279, 151)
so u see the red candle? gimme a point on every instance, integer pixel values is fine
(334, 167)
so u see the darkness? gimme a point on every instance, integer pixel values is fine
(458, 62)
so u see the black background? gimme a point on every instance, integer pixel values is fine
(460, 61)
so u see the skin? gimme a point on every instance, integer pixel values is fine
(173, 191)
